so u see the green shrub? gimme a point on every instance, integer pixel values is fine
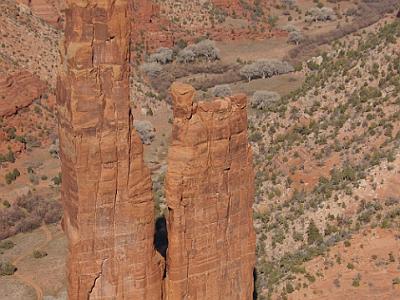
(6, 245)
(7, 268)
(313, 234)
(39, 253)
(12, 176)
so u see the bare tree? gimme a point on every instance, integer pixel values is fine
(162, 56)
(249, 72)
(186, 56)
(151, 69)
(223, 90)
(264, 100)
(295, 37)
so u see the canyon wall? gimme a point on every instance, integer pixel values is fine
(106, 188)
(210, 192)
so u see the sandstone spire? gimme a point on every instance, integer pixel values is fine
(209, 186)
(106, 189)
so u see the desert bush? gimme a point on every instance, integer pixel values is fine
(39, 254)
(12, 176)
(6, 245)
(45, 210)
(152, 69)
(54, 149)
(223, 90)
(264, 100)
(57, 180)
(313, 234)
(323, 14)
(28, 224)
(8, 157)
(7, 268)
(295, 37)
(288, 3)
(145, 130)
(161, 56)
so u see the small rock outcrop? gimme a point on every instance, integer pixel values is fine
(106, 188)
(48, 10)
(210, 192)
(13, 97)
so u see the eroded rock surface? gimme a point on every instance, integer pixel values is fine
(48, 10)
(18, 90)
(106, 188)
(210, 191)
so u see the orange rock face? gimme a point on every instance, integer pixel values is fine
(13, 97)
(106, 188)
(209, 189)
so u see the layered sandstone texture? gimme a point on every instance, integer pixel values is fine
(210, 191)
(106, 188)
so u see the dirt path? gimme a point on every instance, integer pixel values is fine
(26, 279)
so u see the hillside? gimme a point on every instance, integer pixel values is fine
(327, 160)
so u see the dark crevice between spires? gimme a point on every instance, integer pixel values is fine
(161, 237)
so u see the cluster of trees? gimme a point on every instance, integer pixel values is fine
(205, 50)
(316, 14)
(162, 56)
(265, 68)
(28, 213)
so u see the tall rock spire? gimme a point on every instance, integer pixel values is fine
(210, 192)
(106, 188)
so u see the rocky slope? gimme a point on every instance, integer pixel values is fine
(27, 43)
(326, 158)
(48, 10)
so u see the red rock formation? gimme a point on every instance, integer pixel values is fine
(106, 188)
(18, 90)
(209, 189)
